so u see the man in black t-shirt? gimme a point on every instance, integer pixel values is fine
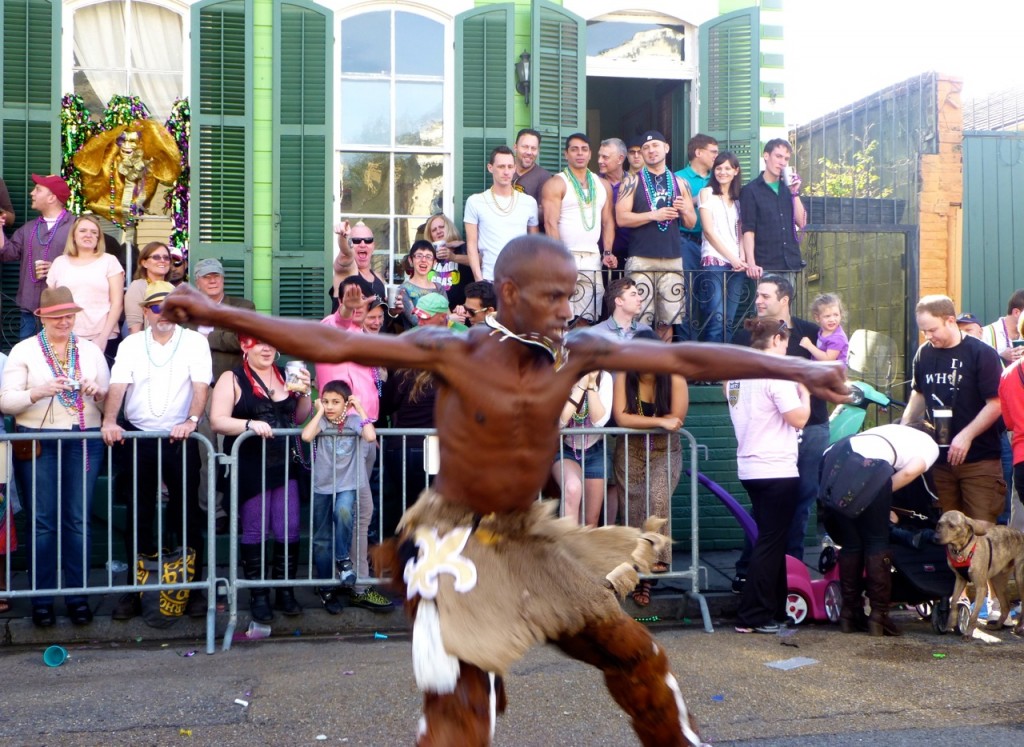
(959, 375)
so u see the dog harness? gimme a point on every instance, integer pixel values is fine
(960, 561)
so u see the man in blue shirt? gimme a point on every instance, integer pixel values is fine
(701, 152)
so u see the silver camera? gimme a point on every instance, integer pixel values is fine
(73, 384)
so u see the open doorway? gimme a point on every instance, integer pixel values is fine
(627, 107)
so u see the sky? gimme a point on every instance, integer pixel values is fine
(839, 51)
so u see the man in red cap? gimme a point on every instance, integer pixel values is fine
(36, 243)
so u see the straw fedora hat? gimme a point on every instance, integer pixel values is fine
(57, 302)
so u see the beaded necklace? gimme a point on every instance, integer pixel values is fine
(585, 198)
(71, 400)
(507, 210)
(559, 354)
(579, 420)
(377, 381)
(650, 188)
(35, 239)
(134, 209)
(170, 373)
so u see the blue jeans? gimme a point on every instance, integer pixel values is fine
(328, 524)
(719, 291)
(813, 442)
(688, 326)
(29, 325)
(52, 489)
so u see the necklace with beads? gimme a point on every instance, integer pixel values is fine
(579, 420)
(71, 369)
(170, 373)
(650, 188)
(34, 239)
(586, 198)
(503, 209)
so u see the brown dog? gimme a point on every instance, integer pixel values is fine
(983, 558)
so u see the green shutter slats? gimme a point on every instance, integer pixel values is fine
(223, 183)
(483, 102)
(729, 91)
(484, 52)
(558, 88)
(28, 53)
(303, 72)
(29, 100)
(222, 59)
(221, 153)
(302, 193)
(300, 291)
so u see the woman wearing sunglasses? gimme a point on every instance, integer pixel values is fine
(154, 265)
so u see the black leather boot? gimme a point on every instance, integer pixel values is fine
(284, 596)
(851, 583)
(252, 568)
(879, 583)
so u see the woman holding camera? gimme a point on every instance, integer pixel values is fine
(55, 382)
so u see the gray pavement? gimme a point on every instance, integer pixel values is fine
(358, 690)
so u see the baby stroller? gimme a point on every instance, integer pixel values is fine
(921, 577)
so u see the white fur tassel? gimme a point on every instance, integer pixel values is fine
(436, 670)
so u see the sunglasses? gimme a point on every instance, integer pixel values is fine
(156, 308)
(160, 257)
(361, 240)
(473, 312)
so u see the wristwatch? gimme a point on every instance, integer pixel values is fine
(194, 419)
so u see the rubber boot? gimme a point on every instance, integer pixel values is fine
(851, 583)
(879, 583)
(284, 596)
(252, 567)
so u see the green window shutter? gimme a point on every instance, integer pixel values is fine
(302, 191)
(557, 79)
(222, 126)
(30, 103)
(483, 102)
(729, 72)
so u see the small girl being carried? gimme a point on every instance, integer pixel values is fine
(832, 343)
(342, 431)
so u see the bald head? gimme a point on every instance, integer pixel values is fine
(525, 252)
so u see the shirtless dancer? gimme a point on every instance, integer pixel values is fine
(488, 571)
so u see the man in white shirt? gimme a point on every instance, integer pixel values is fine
(498, 215)
(577, 208)
(162, 375)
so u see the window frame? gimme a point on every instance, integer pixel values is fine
(385, 257)
(67, 42)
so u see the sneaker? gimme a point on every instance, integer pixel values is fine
(370, 599)
(986, 610)
(767, 629)
(738, 583)
(346, 573)
(329, 599)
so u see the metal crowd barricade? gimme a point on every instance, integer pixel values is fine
(624, 499)
(30, 499)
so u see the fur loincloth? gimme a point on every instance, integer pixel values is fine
(526, 577)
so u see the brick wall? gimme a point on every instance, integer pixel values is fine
(941, 196)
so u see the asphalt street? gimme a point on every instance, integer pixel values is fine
(915, 690)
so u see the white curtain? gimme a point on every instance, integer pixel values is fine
(154, 72)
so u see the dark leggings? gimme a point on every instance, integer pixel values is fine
(773, 502)
(869, 532)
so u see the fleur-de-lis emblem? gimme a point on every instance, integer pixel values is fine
(439, 555)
